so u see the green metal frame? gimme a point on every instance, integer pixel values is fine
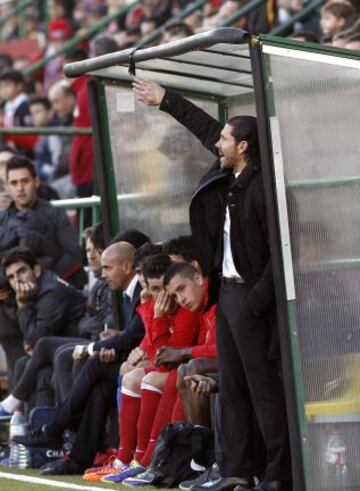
(287, 308)
(89, 34)
(47, 130)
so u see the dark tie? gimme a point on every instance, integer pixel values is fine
(126, 307)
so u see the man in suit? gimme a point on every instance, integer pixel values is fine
(228, 222)
(94, 391)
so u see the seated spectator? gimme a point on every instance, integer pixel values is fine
(16, 111)
(148, 25)
(46, 230)
(16, 108)
(45, 191)
(81, 152)
(176, 31)
(335, 17)
(226, 10)
(59, 31)
(101, 45)
(63, 99)
(47, 152)
(45, 306)
(47, 349)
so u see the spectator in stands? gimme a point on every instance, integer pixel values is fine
(175, 31)
(45, 191)
(246, 300)
(5, 154)
(59, 31)
(46, 230)
(101, 45)
(45, 306)
(147, 26)
(226, 10)
(48, 349)
(6, 62)
(47, 152)
(94, 391)
(63, 99)
(335, 17)
(16, 111)
(81, 152)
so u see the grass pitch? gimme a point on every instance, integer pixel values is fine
(23, 480)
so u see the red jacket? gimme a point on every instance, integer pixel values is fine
(206, 345)
(81, 153)
(178, 330)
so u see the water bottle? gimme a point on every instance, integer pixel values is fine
(19, 455)
(336, 462)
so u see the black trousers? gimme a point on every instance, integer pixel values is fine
(65, 369)
(43, 356)
(87, 406)
(248, 379)
(43, 394)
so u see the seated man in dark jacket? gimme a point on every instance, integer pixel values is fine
(47, 349)
(45, 305)
(46, 230)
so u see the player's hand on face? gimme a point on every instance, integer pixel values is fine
(24, 291)
(163, 304)
(148, 91)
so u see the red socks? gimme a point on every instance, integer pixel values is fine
(150, 398)
(128, 417)
(163, 415)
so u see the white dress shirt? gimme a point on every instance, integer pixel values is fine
(228, 266)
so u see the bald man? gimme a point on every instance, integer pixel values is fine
(94, 392)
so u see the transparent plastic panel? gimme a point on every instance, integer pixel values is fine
(315, 109)
(157, 165)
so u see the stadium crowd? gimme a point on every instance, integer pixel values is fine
(195, 316)
(45, 98)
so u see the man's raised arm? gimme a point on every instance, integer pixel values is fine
(198, 122)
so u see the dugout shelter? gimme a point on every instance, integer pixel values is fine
(306, 100)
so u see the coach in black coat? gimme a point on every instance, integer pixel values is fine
(228, 221)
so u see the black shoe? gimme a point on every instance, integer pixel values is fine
(274, 486)
(211, 474)
(40, 438)
(226, 483)
(61, 467)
